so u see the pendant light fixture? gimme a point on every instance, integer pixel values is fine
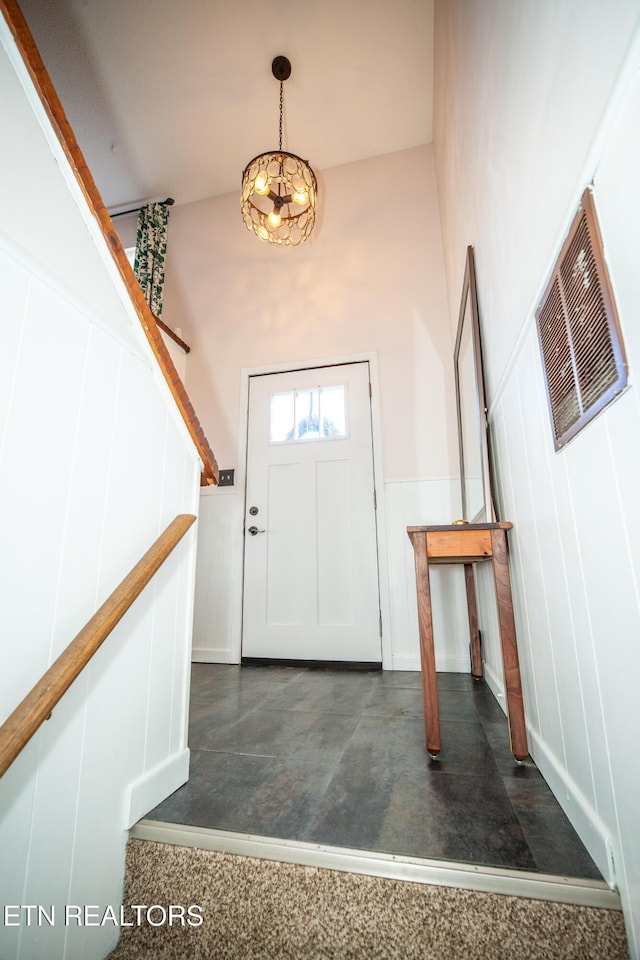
(279, 189)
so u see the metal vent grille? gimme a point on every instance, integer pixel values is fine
(582, 351)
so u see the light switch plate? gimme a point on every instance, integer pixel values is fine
(225, 478)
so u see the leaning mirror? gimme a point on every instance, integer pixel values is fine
(475, 482)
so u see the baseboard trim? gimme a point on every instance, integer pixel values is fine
(210, 655)
(406, 663)
(495, 684)
(583, 817)
(156, 785)
(514, 883)
(443, 664)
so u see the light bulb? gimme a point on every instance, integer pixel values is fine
(261, 184)
(300, 197)
(274, 218)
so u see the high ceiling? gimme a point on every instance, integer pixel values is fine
(174, 97)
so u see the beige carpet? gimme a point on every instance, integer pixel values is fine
(261, 910)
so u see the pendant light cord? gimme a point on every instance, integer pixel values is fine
(281, 109)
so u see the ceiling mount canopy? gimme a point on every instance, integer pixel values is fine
(279, 189)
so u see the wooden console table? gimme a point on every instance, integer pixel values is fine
(468, 544)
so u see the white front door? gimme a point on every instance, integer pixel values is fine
(310, 564)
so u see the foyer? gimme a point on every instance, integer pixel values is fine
(337, 758)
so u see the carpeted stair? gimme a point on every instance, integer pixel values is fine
(265, 910)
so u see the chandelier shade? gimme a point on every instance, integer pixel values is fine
(279, 193)
(279, 189)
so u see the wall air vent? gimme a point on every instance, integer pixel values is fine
(582, 350)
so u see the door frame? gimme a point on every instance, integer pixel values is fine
(376, 433)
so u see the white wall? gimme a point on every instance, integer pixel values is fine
(369, 281)
(176, 352)
(533, 101)
(94, 463)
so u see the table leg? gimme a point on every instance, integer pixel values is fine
(427, 654)
(472, 609)
(511, 664)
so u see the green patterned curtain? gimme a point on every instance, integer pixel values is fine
(151, 250)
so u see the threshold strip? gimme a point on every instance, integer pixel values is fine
(444, 873)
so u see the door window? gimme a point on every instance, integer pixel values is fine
(313, 413)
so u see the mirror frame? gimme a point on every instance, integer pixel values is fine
(470, 298)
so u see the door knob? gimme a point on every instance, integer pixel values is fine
(254, 530)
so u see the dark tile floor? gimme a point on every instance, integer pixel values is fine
(338, 758)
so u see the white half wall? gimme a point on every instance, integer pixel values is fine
(218, 594)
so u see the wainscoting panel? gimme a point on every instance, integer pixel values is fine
(574, 585)
(218, 576)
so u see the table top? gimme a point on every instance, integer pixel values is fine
(460, 527)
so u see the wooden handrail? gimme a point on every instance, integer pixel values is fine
(51, 102)
(36, 707)
(171, 333)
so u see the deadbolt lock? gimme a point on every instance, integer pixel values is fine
(253, 511)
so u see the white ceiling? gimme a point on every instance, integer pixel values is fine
(174, 97)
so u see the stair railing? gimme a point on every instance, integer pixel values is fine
(37, 706)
